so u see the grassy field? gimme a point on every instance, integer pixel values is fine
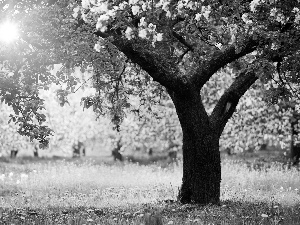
(61, 192)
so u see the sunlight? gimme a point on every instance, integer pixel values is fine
(8, 32)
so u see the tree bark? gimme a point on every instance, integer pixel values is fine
(201, 156)
(295, 147)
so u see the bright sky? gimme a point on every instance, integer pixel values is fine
(8, 32)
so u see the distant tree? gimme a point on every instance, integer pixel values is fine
(178, 44)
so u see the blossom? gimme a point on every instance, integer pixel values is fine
(143, 33)
(152, 27)
(133, 2)
(219, 45)
(159, 37)
(205, 11)
(135, 9)
(76, 11)
(142, 22)
(144, 7)
(97, 47)
(100, 9)
(129, 33)
(165, 6)
(253, 5)
(245, 18)
(273, 12)
(85, 4)
(102, 22)
(198, 17)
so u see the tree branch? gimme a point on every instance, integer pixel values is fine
(182, 40)
(227, 103)
(162, 70)
(220, 59)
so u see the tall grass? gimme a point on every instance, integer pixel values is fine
(43, 186)
(68, 184)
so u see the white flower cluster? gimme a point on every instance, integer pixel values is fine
(145, 31)
(254, 4)
(205, 12)
(245, 18)
(186, 4)
(297, 14)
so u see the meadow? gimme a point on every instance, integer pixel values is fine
(86, 192)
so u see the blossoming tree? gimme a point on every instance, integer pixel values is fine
(180, 45)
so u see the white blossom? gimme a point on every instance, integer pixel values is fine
(142, 22)
(129, 33)
(100, 9)
(168, 14)
(97, 47)
(152, 27)
(85, 4)
(102, 22)
(245, 18)
(133, 2)
(219, 45)
(165, 6)
(144, 7)
(280, 18)
(143, 33)
(159, 36)
(198, 17)
(135, 9)
(254, 4)
(123, 5)
(273, 12)
(205, 11)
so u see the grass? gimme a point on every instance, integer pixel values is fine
(62, 192)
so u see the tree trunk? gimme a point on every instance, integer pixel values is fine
(295, 147)
(201, 156)
(13, 153)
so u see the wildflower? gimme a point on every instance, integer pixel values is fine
(264, 215)
(2, 176)
(170, 222)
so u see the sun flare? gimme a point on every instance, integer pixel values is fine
(8, 32)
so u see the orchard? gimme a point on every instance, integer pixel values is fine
(157, 50)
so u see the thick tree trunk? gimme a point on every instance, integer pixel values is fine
(201, 156)
(295, 147)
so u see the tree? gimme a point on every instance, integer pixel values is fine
(180, 45)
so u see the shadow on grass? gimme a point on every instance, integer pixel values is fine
(230, 212)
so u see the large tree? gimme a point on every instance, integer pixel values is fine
(180, 45)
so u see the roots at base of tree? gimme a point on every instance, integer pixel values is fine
(197, 192)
